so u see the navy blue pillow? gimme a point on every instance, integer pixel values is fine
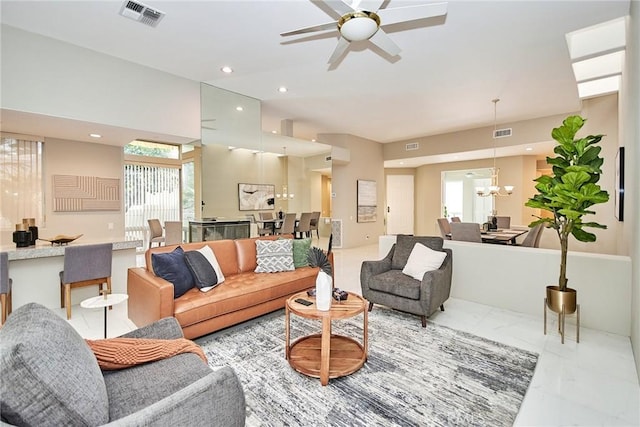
(172, 268)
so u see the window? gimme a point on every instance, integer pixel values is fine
(21, 180)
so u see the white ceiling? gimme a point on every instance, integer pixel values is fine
(444, 79)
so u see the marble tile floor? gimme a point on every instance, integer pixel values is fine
(593, 383)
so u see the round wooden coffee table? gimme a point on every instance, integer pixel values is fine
(326, 355)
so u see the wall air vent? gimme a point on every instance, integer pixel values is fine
(141, 12)
(502, 133)
(411, 146)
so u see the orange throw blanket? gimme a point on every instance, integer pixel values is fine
(120, 353)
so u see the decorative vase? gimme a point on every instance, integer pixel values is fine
(324, 288)
(557, 298)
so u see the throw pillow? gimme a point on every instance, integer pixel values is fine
(421, 260)
(211, 257)
(274, 255)
(204, 275)
(172, 268)
(300, 252)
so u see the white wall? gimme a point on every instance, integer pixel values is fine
(46, 76)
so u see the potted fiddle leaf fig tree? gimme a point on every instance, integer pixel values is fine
(568, 195)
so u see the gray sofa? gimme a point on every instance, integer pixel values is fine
(50, 377)
(384, 283)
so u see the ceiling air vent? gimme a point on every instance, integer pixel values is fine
(502, 133)
(327, 158)
(412, 146)
(141, 12)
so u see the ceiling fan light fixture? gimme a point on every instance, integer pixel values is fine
(358, 25)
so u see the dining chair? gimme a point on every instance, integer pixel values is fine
(532, 240)
(304, 225)
(466, 232)
(445, 228)
(5, 286)
(315, 220)
(455, 219)
(155, 232)
(503, 222)
(85, 265)
(288, 225)
(264, 228)
(172, 232)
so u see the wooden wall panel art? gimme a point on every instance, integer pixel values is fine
(85, 193)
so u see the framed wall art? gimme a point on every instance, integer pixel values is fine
(619, 192)
(256, 197)
(367, 201)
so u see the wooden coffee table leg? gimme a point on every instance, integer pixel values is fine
(366, 335)
(286, 332)
(325, 352)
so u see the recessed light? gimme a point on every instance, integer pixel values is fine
(282, 89)
(313, 140)
(528, 149)
(95, 135)
(226, 69)
(239, 108)
(274, 131)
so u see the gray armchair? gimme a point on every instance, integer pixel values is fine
(50, 377)
(384, 283)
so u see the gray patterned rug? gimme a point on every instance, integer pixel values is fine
(435, 376)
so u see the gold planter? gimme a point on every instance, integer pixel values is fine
(557, 298)
(563, 303)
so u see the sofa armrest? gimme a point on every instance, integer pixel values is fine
(164, 329)
(216, 399)
(373, 268)
(150, 297)
(436, 285)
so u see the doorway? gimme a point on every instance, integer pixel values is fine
(400, 204)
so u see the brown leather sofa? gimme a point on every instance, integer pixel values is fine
(243, 295)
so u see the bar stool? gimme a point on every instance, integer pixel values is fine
(85, 266)
(5, 286)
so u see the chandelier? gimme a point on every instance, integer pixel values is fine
(284, 195)
(494, 188)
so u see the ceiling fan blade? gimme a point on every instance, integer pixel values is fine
(369, 5)
(338, 6)
(384, 42)
(411, 13)
(343, 44)
(321, 27)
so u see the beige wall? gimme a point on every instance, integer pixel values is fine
(630, 111)
(365, 163)
(64, 157)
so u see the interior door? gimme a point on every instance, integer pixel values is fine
(400, 204)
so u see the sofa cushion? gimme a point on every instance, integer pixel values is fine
(421, 260)
(49, 374)
(136, 388)
(404, 246)
(273, 256)
(172, 268)
(395, 282)
(210, 257)
(301, 252)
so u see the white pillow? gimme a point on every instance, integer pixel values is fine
(211, 257)
(421, 260)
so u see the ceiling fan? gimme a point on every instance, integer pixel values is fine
(357, 22)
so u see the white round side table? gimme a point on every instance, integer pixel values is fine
(104, 301)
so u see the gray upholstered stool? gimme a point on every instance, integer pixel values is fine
(85, 266)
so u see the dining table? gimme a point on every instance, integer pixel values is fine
(502, 236)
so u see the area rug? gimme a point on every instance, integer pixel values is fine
(414, 376)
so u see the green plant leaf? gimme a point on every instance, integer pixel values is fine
(583, 236)
(575, 179)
